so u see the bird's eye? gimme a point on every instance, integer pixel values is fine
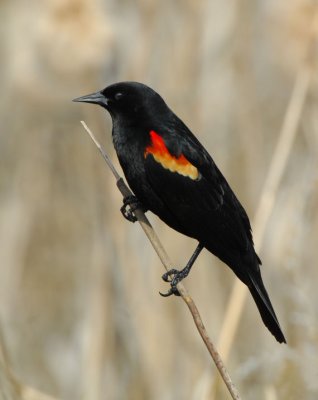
(118, 96)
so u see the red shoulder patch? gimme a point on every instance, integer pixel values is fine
(161, 154)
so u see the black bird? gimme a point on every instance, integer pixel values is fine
(173, 175)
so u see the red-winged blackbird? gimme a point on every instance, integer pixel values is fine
(172, 175)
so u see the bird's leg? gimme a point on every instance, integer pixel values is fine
(175, 276)
(130, 204)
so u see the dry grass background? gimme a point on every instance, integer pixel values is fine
(80, 313)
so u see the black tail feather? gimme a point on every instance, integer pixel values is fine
(265, 308)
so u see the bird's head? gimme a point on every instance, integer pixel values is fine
(127, 101)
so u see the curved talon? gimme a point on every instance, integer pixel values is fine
(173, 276)
(128, 213)
(166, 276)
(130, 204)
(171, 291)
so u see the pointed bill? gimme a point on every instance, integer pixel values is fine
(94, 98)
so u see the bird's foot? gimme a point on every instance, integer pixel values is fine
(130, 204)
(174, 276)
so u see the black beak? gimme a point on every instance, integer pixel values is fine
(94, 98)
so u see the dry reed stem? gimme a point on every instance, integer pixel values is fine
(266, 205)
(153, 238)
(267, 199)
(29, 393)
(268, 196)
(10, 387)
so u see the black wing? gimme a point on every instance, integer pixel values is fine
(206, 207)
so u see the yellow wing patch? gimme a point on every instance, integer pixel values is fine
(161, 154)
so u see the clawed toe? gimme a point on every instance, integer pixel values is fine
(173, 276)
(131, 203)
(172, 291)
(128, 213)
(170, 275)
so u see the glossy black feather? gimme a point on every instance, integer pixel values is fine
(205, 208)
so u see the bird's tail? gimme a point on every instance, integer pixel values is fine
(265, 307)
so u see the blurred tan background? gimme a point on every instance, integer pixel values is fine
(80, 313)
